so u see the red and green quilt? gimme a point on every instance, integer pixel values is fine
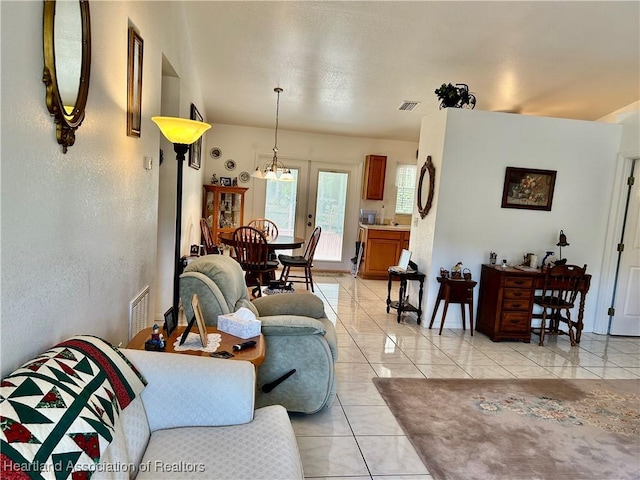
(58, 411)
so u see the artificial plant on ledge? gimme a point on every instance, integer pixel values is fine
(455, 96)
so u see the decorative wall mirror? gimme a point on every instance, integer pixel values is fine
(427, 167)
(67, 62)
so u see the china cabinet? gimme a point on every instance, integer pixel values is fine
(223, 208)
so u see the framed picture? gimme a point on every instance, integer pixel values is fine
(528, 188)
(195, 149)
(202, 328)
(225, 181)
(169, 322)
(134, 83)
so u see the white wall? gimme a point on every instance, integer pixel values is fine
(79, 230)
(471, 156)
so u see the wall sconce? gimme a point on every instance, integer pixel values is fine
(182, 133)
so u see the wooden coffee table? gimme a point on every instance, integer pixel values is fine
(254, 355)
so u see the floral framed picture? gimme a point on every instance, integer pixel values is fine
(195, 149)
(528, 188)
(134, 83)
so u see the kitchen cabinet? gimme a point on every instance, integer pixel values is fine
(382, 248)
(375, 168)
(223, 208)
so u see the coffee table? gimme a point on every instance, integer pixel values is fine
(254, 355)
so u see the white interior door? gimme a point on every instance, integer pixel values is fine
(626, 320)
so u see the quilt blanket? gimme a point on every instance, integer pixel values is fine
(57, 412)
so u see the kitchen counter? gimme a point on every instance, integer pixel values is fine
(395, 228)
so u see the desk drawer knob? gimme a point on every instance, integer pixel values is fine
(516, 305)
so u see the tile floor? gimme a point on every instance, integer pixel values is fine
(358, 437)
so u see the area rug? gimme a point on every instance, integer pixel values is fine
(520, 429)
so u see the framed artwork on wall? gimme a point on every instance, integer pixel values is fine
(195, 149)
(134, 83)
(528, 188)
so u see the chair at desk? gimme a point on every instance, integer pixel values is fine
(301, 261)
(252, 253)
(209, 246)
(561, 287)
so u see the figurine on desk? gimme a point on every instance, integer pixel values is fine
(156, 342)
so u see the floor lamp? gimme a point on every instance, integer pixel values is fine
(182, 133)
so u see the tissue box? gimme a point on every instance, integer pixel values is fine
(239, 327)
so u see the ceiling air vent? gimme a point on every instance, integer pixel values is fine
(408, 105)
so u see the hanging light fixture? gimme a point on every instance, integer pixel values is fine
(271, 168)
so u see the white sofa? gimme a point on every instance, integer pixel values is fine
(194, 419)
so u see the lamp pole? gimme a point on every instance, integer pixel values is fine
(181, 149)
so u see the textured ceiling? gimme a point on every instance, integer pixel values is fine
(346, 67)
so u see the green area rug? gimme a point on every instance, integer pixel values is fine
(520, 429)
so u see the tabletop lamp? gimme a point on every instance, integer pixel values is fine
(562, 242)
(182, 133)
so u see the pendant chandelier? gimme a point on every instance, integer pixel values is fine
(272, 168)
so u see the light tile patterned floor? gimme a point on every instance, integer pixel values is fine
(358, 437)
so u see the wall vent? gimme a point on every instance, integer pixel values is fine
(139, 312)
(408, 106)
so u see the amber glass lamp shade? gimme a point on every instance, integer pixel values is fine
(181, 130)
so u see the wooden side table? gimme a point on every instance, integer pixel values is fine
(455, 291)
(401, 305)
(254, 355)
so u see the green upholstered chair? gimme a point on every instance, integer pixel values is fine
(297, 333)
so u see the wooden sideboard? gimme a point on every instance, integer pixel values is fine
(505, 304)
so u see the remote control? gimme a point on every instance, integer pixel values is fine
(244, 345)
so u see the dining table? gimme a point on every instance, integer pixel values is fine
(281, 242)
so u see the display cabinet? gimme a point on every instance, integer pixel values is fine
(223, 208)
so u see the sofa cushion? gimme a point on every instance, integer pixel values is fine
(263, 449)
(70, 398)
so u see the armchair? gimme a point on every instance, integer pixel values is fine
(298, 335)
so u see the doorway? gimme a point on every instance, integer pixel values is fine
(625, 301)
(323, 194)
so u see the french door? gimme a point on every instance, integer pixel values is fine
(323, 194)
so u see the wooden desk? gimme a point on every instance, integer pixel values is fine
(254, 355)
(505, 306)
(454, 290)
(283, 242)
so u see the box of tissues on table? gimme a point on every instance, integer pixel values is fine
(242, 323)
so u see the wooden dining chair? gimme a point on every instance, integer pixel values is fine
(266, 226)
(301, 261)
(252, 253)
(561, 287)
(207, 240)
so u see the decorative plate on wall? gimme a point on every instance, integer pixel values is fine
(244, 177)
(230, 164)
(215, 152)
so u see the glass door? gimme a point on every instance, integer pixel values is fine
(323, 194)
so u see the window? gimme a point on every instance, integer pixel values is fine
(406, 183)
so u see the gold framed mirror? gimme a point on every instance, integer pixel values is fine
(67, 62)
(428, 167)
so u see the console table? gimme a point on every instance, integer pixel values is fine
(505, 305)
(402, 305)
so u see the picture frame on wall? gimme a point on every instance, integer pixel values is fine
(134, 83)
(528, 188)
(195, 149)
(225, 181)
